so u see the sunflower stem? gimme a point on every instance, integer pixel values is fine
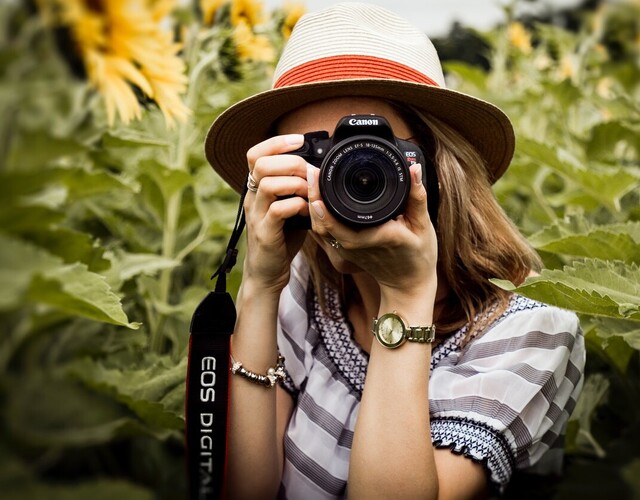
(180, 158)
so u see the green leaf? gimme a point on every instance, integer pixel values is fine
(133, 225)
(149, 391)
(71, 245)
(189, 300)
(25, 185)
(103, 489)
(575, 235)
(35, 149)
(592, 287)
(608, 344)
(82, 184)
(128, 265)
(52, 196)
(565, 94)
(606, 136)
(79, 292)
(467, 73)
(16, 185)
(215, 202)
(126, 137)
(629, 331)
(595, 388)
(19, 262)
(20, 219)
(608, 185)
(168, 180)
(44, 409)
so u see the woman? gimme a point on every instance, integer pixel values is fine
(451, 416)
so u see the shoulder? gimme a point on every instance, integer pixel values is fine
(527, 316)
(529, 330)
(508, 393)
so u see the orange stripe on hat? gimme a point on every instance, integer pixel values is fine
(349, 67)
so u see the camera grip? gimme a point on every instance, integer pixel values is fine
(297, 223)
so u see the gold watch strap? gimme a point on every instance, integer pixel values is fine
(421, 334)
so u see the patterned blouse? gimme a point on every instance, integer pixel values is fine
(503, 400)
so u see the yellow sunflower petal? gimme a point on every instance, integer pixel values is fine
(127, 71)
(248, 11)
(251, 46)
(124, 43)
(170, 104)
(293, 11)
(209, 10)
(123, 97)
(118, 96)
(519, 37)
(160, 9)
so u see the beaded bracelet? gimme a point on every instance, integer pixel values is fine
(273, 375)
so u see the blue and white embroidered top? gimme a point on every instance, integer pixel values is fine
(502, 400)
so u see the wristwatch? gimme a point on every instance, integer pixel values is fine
(391, 331)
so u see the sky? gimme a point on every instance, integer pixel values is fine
(435, 17)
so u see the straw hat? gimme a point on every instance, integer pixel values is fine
(355, 49)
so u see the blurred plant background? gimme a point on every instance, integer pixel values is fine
(112, 222)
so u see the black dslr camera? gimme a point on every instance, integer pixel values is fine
(364, 172)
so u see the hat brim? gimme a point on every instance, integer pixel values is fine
(251, 120)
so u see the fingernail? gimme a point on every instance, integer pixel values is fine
(311, 178)
(417, 176)
(318, 209)
(294, 139)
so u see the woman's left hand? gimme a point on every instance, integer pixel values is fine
(399, 254)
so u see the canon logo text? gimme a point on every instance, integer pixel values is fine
(363, 121)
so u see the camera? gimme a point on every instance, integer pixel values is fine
(364, 172)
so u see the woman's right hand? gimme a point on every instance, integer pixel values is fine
(281, 194)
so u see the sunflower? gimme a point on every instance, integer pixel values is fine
(251, 46)
(293, 11)
(243, 17)
(519, 37)
(247, 12)
(124, 47)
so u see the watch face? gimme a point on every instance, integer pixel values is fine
(390, 330)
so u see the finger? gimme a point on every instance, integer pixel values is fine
(273, 146)
(271, 189)
(283, 209)
(416, 213)
(317, 209)
(313, 178)
(279, 165)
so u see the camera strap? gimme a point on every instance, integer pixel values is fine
(207, 391)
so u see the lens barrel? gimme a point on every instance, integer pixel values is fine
(364, 180)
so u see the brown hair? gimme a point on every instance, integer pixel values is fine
(476, 240)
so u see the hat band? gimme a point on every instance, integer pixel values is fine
(349, 67)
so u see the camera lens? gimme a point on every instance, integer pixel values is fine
(364, 181)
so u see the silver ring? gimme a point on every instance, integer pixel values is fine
(252, 185)
(335, 244)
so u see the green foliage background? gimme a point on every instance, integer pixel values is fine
(108, 237)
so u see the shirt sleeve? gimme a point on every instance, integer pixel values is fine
(505, 399)
(293, 324)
